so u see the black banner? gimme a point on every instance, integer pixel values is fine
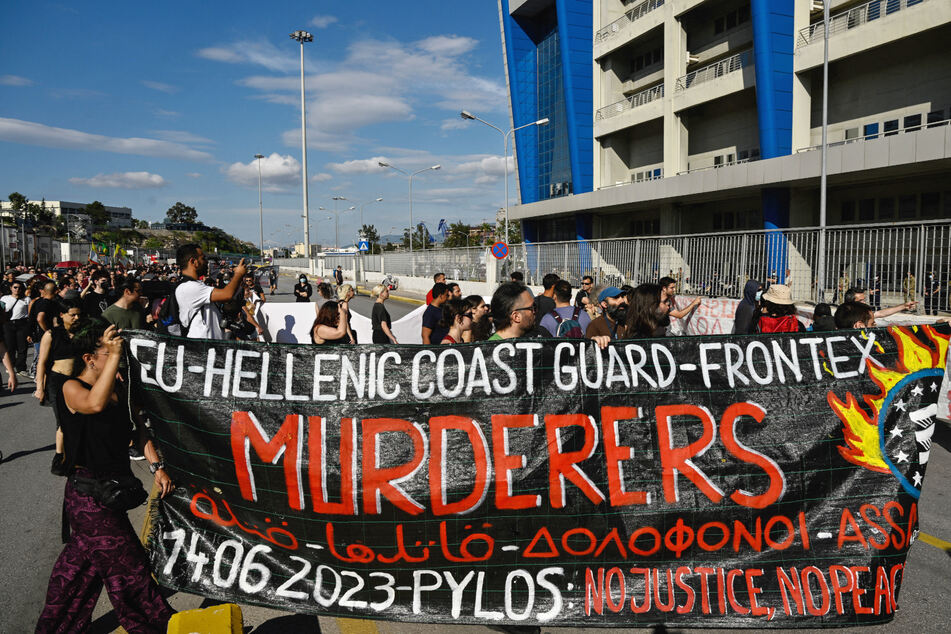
(714, 481)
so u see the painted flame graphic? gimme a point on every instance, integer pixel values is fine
(861, 431)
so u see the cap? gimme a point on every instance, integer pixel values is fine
(610, 291)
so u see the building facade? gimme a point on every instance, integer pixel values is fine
(696, 116)
(119, 217)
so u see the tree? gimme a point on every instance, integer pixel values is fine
(97, 211)
(17, 201)
(152, 244)
(371, 235)
(180, 213)
(140, 224)
(419, 236)
(459, 236)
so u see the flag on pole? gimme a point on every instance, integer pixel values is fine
(443, 228)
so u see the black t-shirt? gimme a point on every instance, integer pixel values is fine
(42, 305)
(306, 288)
(99, 442)
(580, 296)
(543, 306)
(94, 303)
(378, 316)
(431, 319)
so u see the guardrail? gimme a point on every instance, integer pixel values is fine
(910, 128)
(632, 15)
(638, 99)
(717, 69)
(854, 17)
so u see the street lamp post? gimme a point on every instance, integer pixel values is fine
(412, 227)
(260, 204)
(336, 217)
(301, 37)
(505, 154)
(821, 260)
(362, 205)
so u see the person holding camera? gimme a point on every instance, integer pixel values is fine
(197, 311)
(103, 548)
(96, 296)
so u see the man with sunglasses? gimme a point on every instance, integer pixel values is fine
(582, 296)
(16, 329)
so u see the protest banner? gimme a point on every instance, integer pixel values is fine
(704, 481)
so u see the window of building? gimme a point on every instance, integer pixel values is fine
(890, 128)
(907, 206)
(851, 133)
(912, 122)
(719, 25)
(930, 204)
(730, 159)
(743, 14)
(848, 211)
(717, 161)
(728, 221)
(936, 118)
(731, 20)
(754, 154)
(867, 210)
(870, 131)
(886, 208)
(657, 56)
(743, 154)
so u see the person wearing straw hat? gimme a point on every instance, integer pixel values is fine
(778, 312)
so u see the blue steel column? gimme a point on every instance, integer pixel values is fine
(773, 46)
(521, 58)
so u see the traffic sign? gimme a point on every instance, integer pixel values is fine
(500, 250)
(363, 245)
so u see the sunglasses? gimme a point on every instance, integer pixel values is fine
(531, 308)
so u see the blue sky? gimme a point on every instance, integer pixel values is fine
(146, 104)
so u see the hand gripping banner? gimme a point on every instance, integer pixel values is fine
(704, 481)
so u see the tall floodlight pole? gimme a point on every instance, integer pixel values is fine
(301, 37)
(260, 204)
(505, 154)
(821, 260)
(412, 227)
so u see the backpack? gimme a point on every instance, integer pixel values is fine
(568, 328)
(167, 320)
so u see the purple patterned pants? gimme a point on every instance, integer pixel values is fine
(102, 550)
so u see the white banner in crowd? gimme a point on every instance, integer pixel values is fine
(291, 323)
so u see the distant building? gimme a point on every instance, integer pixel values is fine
(119, 217)
(689, 116)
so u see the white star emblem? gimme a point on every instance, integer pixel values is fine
(917, 391)
(896, 433)
(917, 479)
(900, 405)
(901, 457)
(934, 386)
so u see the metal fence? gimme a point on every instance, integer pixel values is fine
(856, 16)
(900, 255)
(639, 99)
(637, 12)
(717, 69)
(466, 263)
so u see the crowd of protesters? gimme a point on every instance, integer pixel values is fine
(74, 318)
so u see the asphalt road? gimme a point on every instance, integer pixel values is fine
(31, 499)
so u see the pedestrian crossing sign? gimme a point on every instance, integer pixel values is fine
(363, 245)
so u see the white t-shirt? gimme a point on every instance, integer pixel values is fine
(20, 307)
(194, 300)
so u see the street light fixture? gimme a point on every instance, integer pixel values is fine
(412, 227)
(260, 204)
(336, 217)
(301, 37)
(468, 116)
(361, 206)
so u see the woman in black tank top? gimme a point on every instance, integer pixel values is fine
(103, 548)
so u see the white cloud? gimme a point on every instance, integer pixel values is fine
(360, 166)
(15, 80)
(124, 180)
(488, 169)
(261, 53)
(323, 21)
(161, 112)
(277, 172)
(450, 45)
(455, 123)
(193, 175)
(30, 133)
(378, 81)
(181, 136)
(321, 177)
(160, 86)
